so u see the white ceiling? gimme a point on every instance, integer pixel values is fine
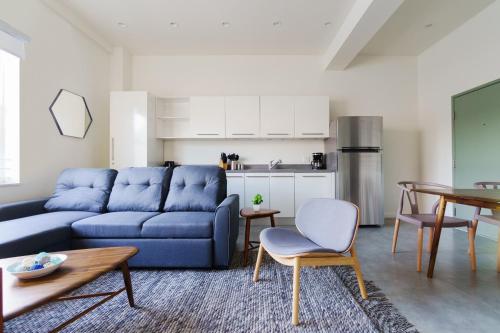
(199, 31)
(405, 32)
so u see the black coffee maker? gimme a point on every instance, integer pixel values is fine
(318, 161)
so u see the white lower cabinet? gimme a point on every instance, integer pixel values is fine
(281, 193)
(236, 185)
(257, 183)
(313, 185)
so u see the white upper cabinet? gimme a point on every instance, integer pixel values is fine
(208, 119)
(276, 116)
(242, 116)
(312, 116)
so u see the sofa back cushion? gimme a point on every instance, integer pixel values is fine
(196, 188)
(138, 189)
(82, 190)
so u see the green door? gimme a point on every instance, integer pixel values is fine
(476, 143)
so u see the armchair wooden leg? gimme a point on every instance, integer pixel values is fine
(472, 249)
(420, 243)
(296, 291)
(395, 237)
(429, 244)
(257, 264)
(359, 275)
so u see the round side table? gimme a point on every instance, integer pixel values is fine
(249, 214)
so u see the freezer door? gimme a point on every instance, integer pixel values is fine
(359, 180)
(361, 131)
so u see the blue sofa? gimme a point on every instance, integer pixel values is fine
(177, 217)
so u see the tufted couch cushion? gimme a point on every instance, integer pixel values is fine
(82, 190)
(196, 188)
(138, 189)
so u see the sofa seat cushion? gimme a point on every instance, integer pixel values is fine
(179, 225)
(82, 190)
(111, 225)
(196, 189)
(35, 233)
(138, 189)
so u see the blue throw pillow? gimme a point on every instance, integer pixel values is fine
(82, 189)
(197, 188)
(138, 189)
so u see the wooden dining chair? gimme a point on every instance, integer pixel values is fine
(327, 230)
(487, 218)
(427, 220)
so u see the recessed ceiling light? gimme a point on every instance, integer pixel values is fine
(121, 24)
(226, 24)
(277, 23)
(428, 25)
(327, 24)
(174, 24)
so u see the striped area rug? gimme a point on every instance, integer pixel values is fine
(180, 300)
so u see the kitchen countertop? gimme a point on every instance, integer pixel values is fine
(280, 168)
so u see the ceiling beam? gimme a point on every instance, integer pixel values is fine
(363, 21)
(79, 23)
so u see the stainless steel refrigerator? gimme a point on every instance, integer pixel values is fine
(359, 177)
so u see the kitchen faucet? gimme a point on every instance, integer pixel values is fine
(274, 163)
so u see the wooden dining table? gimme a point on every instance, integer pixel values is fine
(484, 198)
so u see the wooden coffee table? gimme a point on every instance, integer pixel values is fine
(81, 267)
(249, 214)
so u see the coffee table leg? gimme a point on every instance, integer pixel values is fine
(272, 221)
(247, 241)
(128, 283)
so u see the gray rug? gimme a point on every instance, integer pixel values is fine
(226, 301)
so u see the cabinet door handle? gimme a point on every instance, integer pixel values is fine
(228, 176)
(113, 150)
(278, 133)
(313, 133)
(257, 176)
(207, 134)
(242, 133)
(282, 176)
(314, 176)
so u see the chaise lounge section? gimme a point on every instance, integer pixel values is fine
(176, 217)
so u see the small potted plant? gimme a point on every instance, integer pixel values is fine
(257, 200)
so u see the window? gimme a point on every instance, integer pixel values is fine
(9, 118)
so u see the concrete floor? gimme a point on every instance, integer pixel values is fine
(455, 300)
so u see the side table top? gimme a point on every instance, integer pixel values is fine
(249, 212)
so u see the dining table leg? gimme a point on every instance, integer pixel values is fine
(437, 233)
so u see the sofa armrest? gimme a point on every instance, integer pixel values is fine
(16, 210)
(226, 227)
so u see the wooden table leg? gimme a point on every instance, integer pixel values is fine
(247, 241)
(128, 283)
(437, 234)
(272, 221)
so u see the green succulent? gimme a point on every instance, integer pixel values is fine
(257, 199)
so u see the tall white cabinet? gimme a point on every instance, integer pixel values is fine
(133, 141)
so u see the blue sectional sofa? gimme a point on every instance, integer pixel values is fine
(177, 217)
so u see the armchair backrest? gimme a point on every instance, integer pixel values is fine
(406, 190)
(329, 223)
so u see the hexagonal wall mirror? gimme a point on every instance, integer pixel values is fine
(71, 114)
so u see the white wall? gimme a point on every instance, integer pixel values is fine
(466, 58)
(58, 56)
(370, 86)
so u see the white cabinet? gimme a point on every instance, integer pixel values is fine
(208, 119)
(236, 185)
(282, 193)
(312, 116)
(132, 122)
(242, 116)
(313, 185)
(276, 116)
(256, 183)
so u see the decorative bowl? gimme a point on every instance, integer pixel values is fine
(15, 269)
